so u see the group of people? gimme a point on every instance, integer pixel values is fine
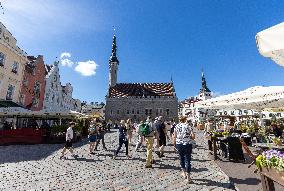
(149, 131)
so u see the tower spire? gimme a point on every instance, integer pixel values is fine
(113, 57)
(204, 87)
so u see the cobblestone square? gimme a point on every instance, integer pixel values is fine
(38, 167)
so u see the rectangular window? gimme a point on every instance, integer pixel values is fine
(2, 59)
(127, 111)
(168, 112)
(22, 99)
(150, 111)
(132, 111)
(15, 67)
(35, 102)
(117, 111)
(146, 111)
(111, 112)
(137, 111)
(25, 82)
(10, 92)
(37, 89)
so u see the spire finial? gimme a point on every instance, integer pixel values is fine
(172, 79)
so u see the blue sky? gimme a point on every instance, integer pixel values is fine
(156, 39)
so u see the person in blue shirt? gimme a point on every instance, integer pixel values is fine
(122, 139)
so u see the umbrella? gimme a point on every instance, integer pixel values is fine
(258, 97)
(270, 43)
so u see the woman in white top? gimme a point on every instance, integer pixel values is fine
(183, 137)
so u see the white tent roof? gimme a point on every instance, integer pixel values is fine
(258, 97)
(270, 43)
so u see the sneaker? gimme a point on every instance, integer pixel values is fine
(61, 157)
(150, 166)
(189, 180)
(162, 155)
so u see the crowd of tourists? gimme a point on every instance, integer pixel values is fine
(152, 132)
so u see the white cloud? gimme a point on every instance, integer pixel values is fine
(87, 68)
(65, 55)
(64, 59)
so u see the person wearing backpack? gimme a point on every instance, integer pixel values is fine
(183, 139)
(148, 131)
(122, 139)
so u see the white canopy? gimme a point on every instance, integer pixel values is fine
(257, 97)
(270, 43)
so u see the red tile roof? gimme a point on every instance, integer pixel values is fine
(142, 89)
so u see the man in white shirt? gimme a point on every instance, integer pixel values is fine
(68, 143)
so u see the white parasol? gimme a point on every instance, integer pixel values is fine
(270, 43)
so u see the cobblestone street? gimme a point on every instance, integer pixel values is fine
(38, 167)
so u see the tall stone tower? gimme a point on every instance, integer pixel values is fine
(204, 92)
(113, 64)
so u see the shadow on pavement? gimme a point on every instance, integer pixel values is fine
(19, 153)
(206, 182)
(247, 181)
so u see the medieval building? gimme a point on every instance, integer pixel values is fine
(138, 100)
(189, 108)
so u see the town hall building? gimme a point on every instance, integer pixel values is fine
(138, 100)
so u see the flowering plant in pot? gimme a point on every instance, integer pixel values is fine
(271, 159)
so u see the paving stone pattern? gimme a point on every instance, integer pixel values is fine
(38, 167)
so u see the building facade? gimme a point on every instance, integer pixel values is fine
(33, 84)
(189, 108)
(138, 100)
(58, 98)
(97, 109)
(12, 64)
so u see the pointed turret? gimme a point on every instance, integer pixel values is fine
(204, 85)
(204, 92)
(113, 64)
(113, 57)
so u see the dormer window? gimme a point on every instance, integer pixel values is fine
(2, 59)
(15, 67)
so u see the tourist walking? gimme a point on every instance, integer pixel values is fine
(173, 125)
(183, 137)
(101, 131)
(148, 131)
(162, 132)
(140, 137)
(92, 136)
(122, 139)
(68, 137)
(129, 127)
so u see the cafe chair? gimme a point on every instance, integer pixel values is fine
(235, 150)
(250, 154)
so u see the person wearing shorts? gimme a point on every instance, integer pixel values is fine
(68, 143)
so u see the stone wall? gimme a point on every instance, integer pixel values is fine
(139, 108)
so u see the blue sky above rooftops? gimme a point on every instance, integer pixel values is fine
(156, 40)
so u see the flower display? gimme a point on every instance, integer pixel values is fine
(271, 159)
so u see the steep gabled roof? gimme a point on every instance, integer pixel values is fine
(142, 90)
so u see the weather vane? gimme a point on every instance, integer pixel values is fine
(114, 29)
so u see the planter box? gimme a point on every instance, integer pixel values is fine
(269, 176)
